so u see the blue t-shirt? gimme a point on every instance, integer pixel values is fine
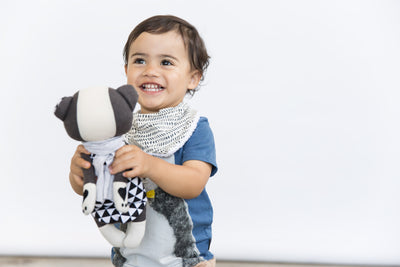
(200, 146)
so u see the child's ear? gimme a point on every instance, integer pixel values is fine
(194, 79)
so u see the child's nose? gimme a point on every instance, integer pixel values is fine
(150, 70)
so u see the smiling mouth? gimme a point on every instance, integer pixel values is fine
(151, 87)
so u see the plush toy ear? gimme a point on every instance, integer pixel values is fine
(63, 107)
(130, 95)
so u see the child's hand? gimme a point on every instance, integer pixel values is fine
(132, 161)
(76, 173)
(186, 181)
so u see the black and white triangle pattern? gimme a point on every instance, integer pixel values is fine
(106, 213)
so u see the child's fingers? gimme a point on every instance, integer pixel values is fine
(123, 150)
(77, 162)
(123, 162)
(77, 180)
(76, 170)
(121, 158)
(76, 183)
(76, 173)
(131, 173)
(81, 149)
(128, 159)
(82, 163)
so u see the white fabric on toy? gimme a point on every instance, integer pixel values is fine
(161, 134)
(104, 152)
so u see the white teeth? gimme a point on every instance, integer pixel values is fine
(151, 87)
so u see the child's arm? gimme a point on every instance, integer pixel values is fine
(186, 181)
(76, 173)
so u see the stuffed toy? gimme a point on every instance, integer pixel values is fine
(99, 117)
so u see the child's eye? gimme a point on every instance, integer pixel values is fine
(166, 63)
(139, 61)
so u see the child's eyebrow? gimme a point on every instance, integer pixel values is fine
(169, 56)
(160, 56)
(138, 54)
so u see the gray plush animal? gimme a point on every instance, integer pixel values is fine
(99, 117)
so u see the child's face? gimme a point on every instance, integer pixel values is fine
(159, 69)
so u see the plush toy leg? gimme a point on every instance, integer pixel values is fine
(113, 235)
(134, 234)
(120, 196)
(89, 198)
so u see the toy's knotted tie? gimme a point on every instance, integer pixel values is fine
(103, 155)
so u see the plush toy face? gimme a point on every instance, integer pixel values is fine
(98, 113)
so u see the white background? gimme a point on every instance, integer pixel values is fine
(303, 98)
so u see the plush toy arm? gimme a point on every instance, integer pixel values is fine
(89, 187)
(89, 175)
(120, 192)
(120, 178)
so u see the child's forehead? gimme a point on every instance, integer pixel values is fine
(170, 41)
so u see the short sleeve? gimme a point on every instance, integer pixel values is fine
(201, 145)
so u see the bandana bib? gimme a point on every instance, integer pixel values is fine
(161, 134)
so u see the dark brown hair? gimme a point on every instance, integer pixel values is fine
(197, 52)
